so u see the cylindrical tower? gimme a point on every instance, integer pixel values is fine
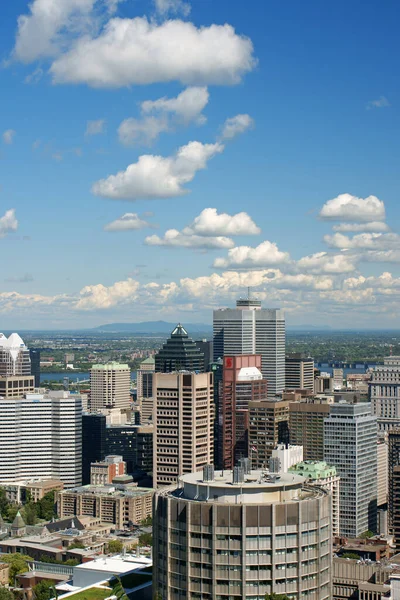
(217, 540)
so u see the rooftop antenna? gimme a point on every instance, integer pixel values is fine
(248, 293)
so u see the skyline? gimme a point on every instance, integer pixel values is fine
(132, 184)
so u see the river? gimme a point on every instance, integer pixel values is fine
(72, 376)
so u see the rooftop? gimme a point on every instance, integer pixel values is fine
(111, 366)
(109, 490)
(314, 469)
(117, 564)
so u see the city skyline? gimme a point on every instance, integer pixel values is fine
(133, 184)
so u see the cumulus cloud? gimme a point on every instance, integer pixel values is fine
(8, 136)
(236, 125)
(95, 127)
(8, 223)
(128, 222)
(163, 115)
(346, 207)
(139, 52)
(371, 241)
(322, 262)
(373, 227)
(164, 7)
(210, 223)
(381, 102)
(174, 238)
(156, 176)
(265, 254)
(378, 256)
(93, 297)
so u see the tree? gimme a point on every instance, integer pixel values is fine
(367, 534)
(276, 597)
(118, 589)
(147, 522)
(115, 546)
(29, 514)
(46, 506)
(6, 594)
(76, 544)
(18, 564)
(11, 512)
(146, 539)
(352, 555)
(44, 590)
(4, 503)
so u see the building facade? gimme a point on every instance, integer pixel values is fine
(382, 455)
(350, 437)
(384, 390)
(299, 372)
(135, 444)
(183, 424)
(103, 473)
(242, 383)
(93, 442)
(250, 329)
(268, 426)
(306, 425)
(35, 365)
(393, 462)
(144, 378)
(285, 456)
(14, 356)
(41, 437)
(110, 386)
(179, 353)
(241, 538)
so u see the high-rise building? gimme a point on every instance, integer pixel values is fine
(338, 379)
(93, 442)
(299, 372)
(242, 383)
(323, 383)
(393, 462)
(144, 378)
(41, 437)
(217, 369)
(382, 449)
(16, 386)
(395, 506)
(243, 536)
(135, 444)
(179, 353)
(306, 425)
(14, 356)
(268, 426)
(35, 365)
(250, 329)
(183, 424)
(110, 386)
(325, 476)
(350, 438)
(384, 392)
(206, 347)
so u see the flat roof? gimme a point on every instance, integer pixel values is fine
(116, 564)
(263, 480)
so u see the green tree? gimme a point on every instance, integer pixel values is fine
(44, 590)
(352, 555)
(76, 544)
(145, 539)
(367, 534)
(115, 546)
(11, 512)
(147, 522)
(18, 564)
(6, 594)
(4, 503)
(47, 507)
(276, 597)
(29, 514)
(118, 589)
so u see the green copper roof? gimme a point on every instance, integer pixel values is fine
(112, 366)
(18, 522)
(314, 470)
(148, 361)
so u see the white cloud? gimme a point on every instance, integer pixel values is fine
(163, 115)
(139, 52)
(156, 176)
(369, 241)
(210, 223)
(346, 207)
(95, 127)
(164, 7)
(128, 222)
(8, 136)
(265, 254)
(322, 262)
(236, 125)
(388, 256)
(175, 238)
(381, 102)
(8, 223)
(93, 297)
(373, 226)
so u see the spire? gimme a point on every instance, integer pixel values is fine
(18, 522)
(179, 331)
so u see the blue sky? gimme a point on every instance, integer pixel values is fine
(287, 112)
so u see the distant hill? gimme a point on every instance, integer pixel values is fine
(151, 327)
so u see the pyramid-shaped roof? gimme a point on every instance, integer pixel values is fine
(179, 353)
(18, 522)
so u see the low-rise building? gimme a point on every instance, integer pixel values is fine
(17, 491)
(103, 473)
(116, 504)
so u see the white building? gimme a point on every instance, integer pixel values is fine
(110, 386)
(41, 437)
(338, 379)
(14, 356)
(384, 391)
(286, 456)
(350, 436)
(250, 329)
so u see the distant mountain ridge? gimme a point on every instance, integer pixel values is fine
(151, 327)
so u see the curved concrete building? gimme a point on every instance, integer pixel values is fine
(231, 535)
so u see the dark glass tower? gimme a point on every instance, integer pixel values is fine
(93, 442)
(35, 365)
(179, 353)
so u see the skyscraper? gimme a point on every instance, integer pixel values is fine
(299, 372)
(110, 386)
(218, 536)
(393, 462)
(306, 425)
(384, 392)
(179, 353)
(242, 383)
(268, 426)
(250, 329)
(14, 356)
(41, 436)
(183, 424)
(93, 442)
(35, 365)
(350, 445)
